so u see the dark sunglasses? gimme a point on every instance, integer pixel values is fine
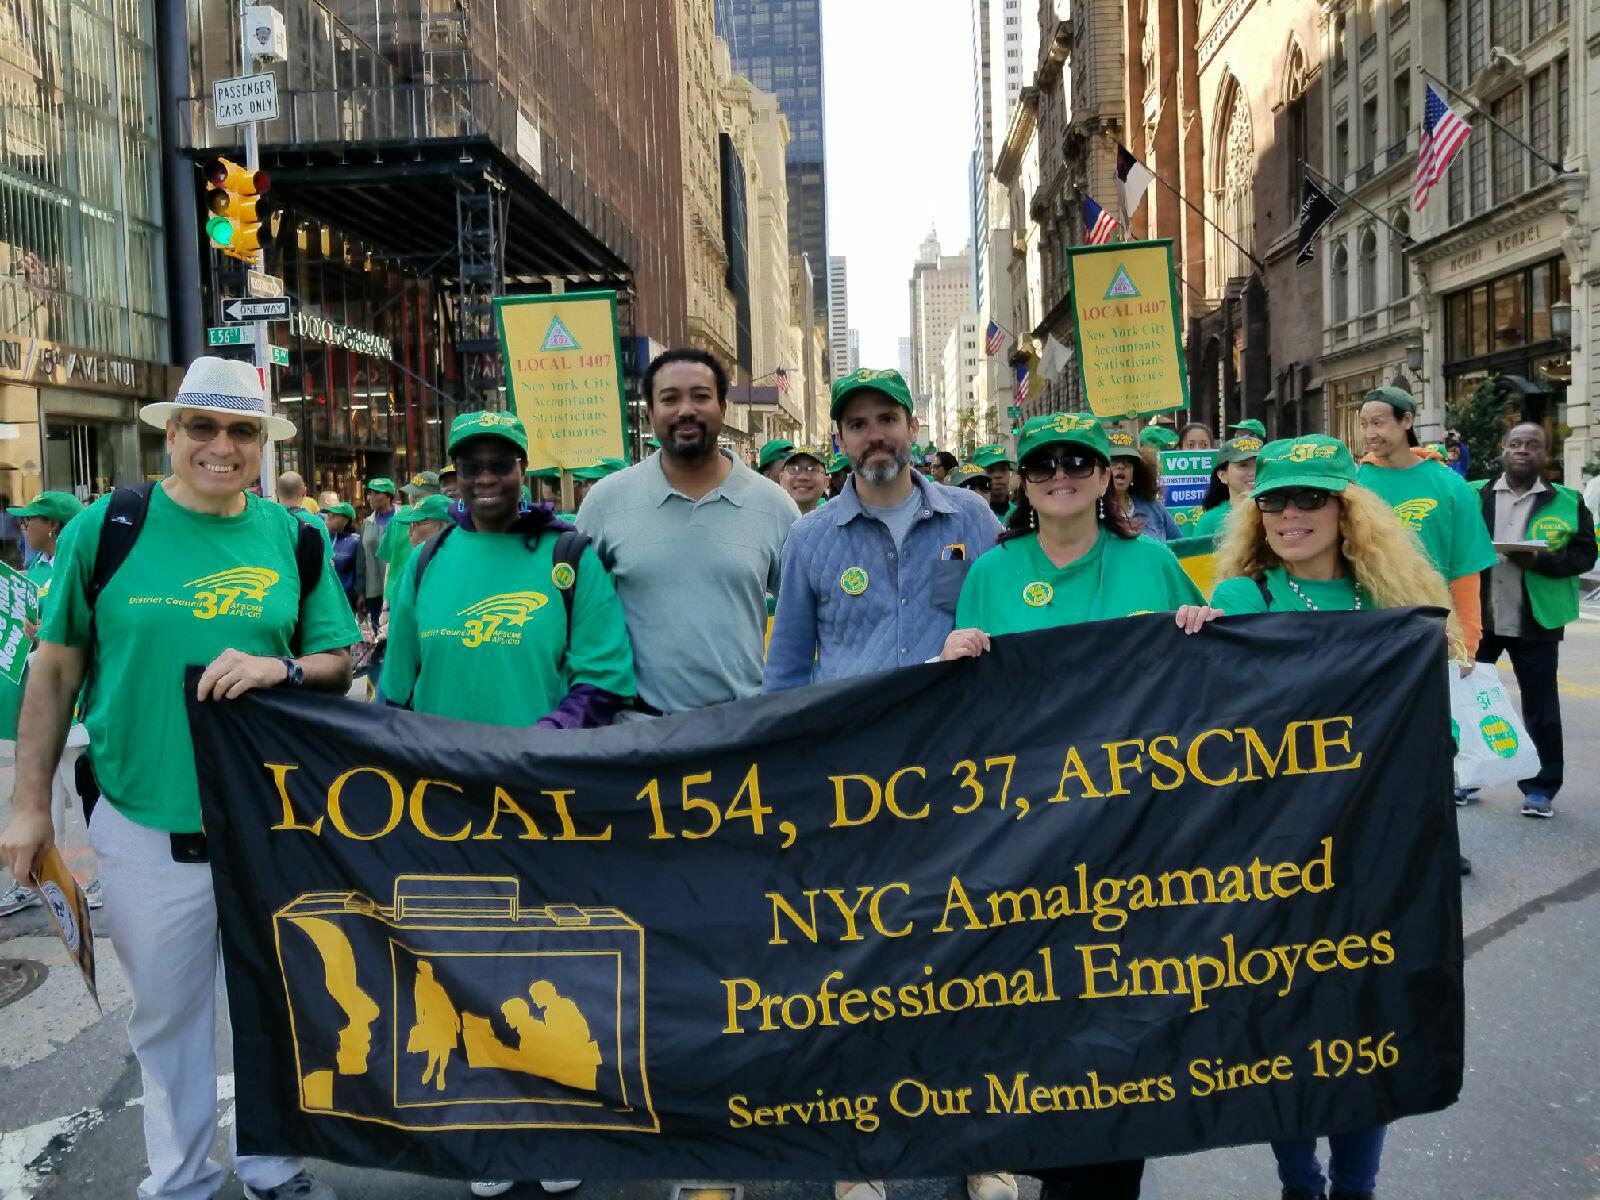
(1042, 468)
(240, 433)
(471, 468)
(1305, 499)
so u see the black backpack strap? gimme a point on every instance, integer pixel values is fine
(124, 519)
(570, 545)
(309, 556)
(1266, 595)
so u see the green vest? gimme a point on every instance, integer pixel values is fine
(1554, 602)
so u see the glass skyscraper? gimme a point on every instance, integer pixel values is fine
(778, 45)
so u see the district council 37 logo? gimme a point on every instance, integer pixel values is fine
(239, 592)
(500, 618)
(1415, 512)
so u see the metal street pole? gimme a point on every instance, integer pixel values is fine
(262, 352)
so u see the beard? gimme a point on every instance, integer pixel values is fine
(881, 474)
(699, 448)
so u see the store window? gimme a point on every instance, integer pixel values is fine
(1502, 327)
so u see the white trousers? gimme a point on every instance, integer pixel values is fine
(162, 918)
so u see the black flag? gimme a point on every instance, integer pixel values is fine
(1316, 210)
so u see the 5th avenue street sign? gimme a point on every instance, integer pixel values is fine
(241, 308)
(244, 98)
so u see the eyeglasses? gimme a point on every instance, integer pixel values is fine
(1304, 499)
(802, 468)
(1042, 469)
(471, 468)
(240, 433)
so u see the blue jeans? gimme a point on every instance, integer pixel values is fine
(1352, 1161)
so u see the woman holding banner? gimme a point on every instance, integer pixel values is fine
(1134, 492)
(1315, 541)
(1231, 481)
(1069, 555)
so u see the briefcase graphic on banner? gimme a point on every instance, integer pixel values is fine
(458, 1008)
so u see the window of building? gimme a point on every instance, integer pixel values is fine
(1341, 47)
(1367, 271)
(1538, 18)
(1399, 272)
(1369, 131)
(1341, 150)
(1235, 188)
(1508, 158)
(1296, 123)
(1400, 110)
(1341, 283)
(1506, 24)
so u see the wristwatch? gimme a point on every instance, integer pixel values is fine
(296, 675)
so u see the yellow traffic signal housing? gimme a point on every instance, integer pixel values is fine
(233, 197)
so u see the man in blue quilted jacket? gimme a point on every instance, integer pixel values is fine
(876, 571)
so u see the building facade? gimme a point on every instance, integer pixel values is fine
(940, 293)
(710, 302)
(838, 317)
(954, 408)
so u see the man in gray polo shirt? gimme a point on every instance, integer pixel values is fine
(694, 540)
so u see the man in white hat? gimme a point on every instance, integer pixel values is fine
(211, 578)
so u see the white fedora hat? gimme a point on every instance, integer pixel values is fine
(219, 385)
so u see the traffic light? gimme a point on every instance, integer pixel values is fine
(234, 199)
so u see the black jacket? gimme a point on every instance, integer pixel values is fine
(1576, 557)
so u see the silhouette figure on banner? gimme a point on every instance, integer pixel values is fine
(437, 1025)
(555, 1045)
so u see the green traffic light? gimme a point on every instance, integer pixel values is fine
(220, 230)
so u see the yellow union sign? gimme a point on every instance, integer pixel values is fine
(564, 375)
(1125, 327)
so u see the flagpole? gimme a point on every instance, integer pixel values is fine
(1326, 182)
(1526, 145)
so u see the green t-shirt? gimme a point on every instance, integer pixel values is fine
(1015, 588)
(1441, 509)
(11, 693)
(394, 548)
(1243, 595)
(1211, 520)
(317, 523)
(487, 641)
(194, 585)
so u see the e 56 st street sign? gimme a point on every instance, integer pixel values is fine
(244, 98)
(247, 308)
(231, 335)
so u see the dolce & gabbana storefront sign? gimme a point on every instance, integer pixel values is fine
(342, 337)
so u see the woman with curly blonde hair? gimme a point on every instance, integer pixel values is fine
(1315, 541)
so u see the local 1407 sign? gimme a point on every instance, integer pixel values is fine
(564, 375)
(1125, 327)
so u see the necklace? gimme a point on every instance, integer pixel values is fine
(1310, 604)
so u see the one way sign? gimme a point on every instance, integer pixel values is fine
(248, 308)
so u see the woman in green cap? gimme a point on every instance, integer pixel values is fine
(1134, 491)
(347, 564)
(1231, 481)
(1315, 541)
(1068, 556)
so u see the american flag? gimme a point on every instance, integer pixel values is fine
(1098, 224)
(782, 378)
(1020, 392)
(1443, 133)
(994, 339)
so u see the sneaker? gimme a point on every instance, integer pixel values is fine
(1535, 805)
(1466, 796)
(555, 1187)
(1295, 1193)
(859, 1189)
(1466, 865)
(995, 1185)
(93, 895)
(492, 1187)
(16, 898)
(302, 1185)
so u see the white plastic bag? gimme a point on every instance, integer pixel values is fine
(1492, 747)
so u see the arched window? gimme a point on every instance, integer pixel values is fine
(1367, 271)
(1296, 120)
(1341, 284)
(1341, 49)
(1399, 272)
(1234, 186)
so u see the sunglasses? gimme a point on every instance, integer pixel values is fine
(1304, 499)
(1042, 468)
(471, 468)
(240, 433)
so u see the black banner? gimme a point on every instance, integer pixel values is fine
(1316, 210)
(1105, 892)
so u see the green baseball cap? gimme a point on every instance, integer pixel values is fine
(544, 473)
(421, 483)
(772, 452)
(1393, 396)
(992, 456)
(1313, 460)
(806, 452)
(606, 466)
(1063, 429)
(1252, 426)
(340, 510)
(1239, 449)
(839, 462)
(52, 506)
(381, 484)
(653, 442)
(505, 426)
(886, 383)
(429, 508)
(1122, 444)
(965, 474)
(1159, 436)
